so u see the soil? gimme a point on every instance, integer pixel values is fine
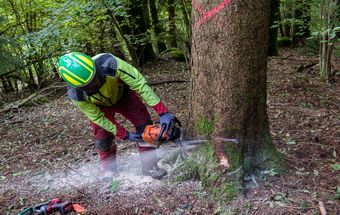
(47, 151)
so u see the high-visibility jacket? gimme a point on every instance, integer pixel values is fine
(117, 73)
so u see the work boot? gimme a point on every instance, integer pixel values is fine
(108, 164)
(155, 172)
(107, 176)
(149, 159)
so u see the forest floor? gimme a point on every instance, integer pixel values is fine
(46, 151)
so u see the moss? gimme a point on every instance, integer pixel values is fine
(230, 190)
(269, 158)
(205, 127)
(284, 42)
(203, 166)
(174, 54)
(233, 152)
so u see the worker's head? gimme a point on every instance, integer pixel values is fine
(78, 70)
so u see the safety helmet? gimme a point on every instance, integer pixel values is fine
(78, 70)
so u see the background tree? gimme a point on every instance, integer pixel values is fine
(229, 88)
(273, 49)
(328, 34)
(172, 23)
(157, 27)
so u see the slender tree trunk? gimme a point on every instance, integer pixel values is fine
(229, 79)
(286, 15)
(327, 13)
(143, 49)
(123, 31)
(5, 84)
(273, 49)
(157, 28)
(172, 23)
(31, 82)
(187, 23)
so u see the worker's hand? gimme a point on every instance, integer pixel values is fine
(134, 137)
(166, 119)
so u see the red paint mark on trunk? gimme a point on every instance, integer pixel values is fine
(210, 13)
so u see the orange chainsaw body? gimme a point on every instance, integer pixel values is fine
(151, 133)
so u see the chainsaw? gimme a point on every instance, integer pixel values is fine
(157, 134)
(56, 205)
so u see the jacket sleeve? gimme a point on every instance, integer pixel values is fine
(96, 115)
(134, 79)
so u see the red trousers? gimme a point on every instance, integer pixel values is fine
(133, 109)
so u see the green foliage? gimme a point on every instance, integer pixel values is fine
(335, 167)
(114, 186)
(312, 45)
(34, 33)
(8, 59)
(337, 194)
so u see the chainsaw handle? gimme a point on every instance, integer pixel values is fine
(165, 128)
(178, 122)
(160, 136)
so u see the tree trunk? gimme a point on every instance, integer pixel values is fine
(186, 19)
(303, 16)
(172, 23)
(273, 49)
(229, 78)
(5, 85)
(142, 40)
(327, 14)
(157, 28)
(122, 30)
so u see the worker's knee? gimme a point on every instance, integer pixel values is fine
(104, 144)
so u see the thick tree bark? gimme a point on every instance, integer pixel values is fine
(157, 28)
(172, 23)
(229, 82)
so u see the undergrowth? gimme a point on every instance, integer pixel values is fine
(202, 165)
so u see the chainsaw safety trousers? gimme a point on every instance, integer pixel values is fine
(108, 159)
(133, 109)
(104, 144)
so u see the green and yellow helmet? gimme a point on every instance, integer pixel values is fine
(77, 69)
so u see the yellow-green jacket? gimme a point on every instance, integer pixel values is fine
(117, 74)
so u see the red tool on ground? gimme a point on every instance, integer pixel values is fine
(56, 205)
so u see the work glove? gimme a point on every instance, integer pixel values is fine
(134, 137)
(166, 119)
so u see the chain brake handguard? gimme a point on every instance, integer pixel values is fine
(173, 132)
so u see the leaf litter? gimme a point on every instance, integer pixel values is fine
(47, 151)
